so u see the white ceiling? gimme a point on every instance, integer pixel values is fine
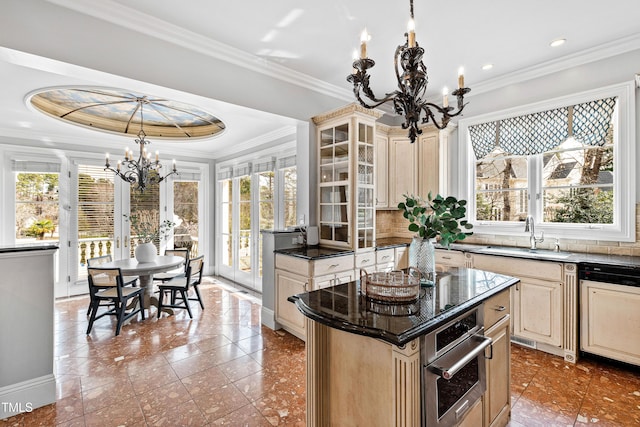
(317, 39)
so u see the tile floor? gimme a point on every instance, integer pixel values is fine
(224, 368)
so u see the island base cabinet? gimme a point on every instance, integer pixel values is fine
(497, 405)
(377, 385)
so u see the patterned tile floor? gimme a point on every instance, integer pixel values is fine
(224, 368)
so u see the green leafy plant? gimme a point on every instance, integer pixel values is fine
(437, 217)
(145, 225)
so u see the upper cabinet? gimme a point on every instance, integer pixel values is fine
(346, 175)
(405, 168)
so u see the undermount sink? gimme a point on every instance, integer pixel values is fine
(534, 253)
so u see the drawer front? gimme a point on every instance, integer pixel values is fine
(450, 258)
(293, 264)
(321, 282)
(366, 260)
(517, 267)
(331, 265)
(385, 256)
(496, 307)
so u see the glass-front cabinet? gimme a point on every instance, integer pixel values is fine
(346, 178)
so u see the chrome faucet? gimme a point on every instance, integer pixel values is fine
(530, 227)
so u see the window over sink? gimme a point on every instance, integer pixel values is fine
(569, 162)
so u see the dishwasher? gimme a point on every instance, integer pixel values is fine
(610, 311)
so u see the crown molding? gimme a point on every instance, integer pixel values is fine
(597, 53)
(123, 16)
(345, 111)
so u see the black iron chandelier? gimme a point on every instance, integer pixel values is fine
(411, 73)
(144, 171)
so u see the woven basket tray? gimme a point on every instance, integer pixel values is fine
(395, 286)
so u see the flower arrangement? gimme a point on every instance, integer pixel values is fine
(146, 226)
(444, 218)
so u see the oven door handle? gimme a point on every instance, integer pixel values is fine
(449, 364)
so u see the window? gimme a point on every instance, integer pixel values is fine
(568, 162)
(36, 206)
(185, 216)
(289, 183)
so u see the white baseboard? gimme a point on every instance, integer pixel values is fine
(269, 319)
(27, 395)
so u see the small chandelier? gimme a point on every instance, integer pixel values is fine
(408, 99)
(143, 171)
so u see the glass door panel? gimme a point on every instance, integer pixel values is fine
(185, 216)
(244, 221)
(226, 224)
(146, 207)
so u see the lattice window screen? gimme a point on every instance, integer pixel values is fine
(591, 121)
(543, 131)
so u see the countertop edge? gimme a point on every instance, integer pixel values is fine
(27, 248)
(408, 336)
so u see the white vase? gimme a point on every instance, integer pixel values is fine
(146, 252)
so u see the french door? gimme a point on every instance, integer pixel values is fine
(235, 225)
(246, 207)
(99, 225)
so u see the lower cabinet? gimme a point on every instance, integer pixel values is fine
(539, 311)
(497, 398)
(295, 275)
(610, 320)
(473, 418)
(288, 284)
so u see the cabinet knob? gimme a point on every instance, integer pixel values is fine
(500, 308)
(333, 265)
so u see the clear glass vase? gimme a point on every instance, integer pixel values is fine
(422, 255)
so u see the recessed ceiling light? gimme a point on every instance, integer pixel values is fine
(487, 67)
(557, 42)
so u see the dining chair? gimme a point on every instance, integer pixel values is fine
(106, 285)
(181, 285)
(98, 261)
(165, 277)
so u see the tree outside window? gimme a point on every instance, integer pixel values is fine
(37, 206)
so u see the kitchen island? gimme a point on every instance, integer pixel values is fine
(365, 358)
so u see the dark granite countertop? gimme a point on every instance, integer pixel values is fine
(28, 247)
(314, 252)
(392, 242)
(549, 255)
(456, 291)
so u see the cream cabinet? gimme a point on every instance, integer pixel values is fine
(536, 300)
(295, 275)
(346, 187)
(497, 398)
(538, 314)
(403, 167)
(402, 257)
(382, 171)
(450, 258)
(287, 315)
(610, 320)
(385, 259)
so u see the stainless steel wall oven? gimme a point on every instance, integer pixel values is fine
(453, 369)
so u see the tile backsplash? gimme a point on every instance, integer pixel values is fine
(391, 223)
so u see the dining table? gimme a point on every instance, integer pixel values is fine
(145, 272)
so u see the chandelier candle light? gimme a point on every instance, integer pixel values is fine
(411, 73)
(139, 171)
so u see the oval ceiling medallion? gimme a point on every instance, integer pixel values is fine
(126, 112)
